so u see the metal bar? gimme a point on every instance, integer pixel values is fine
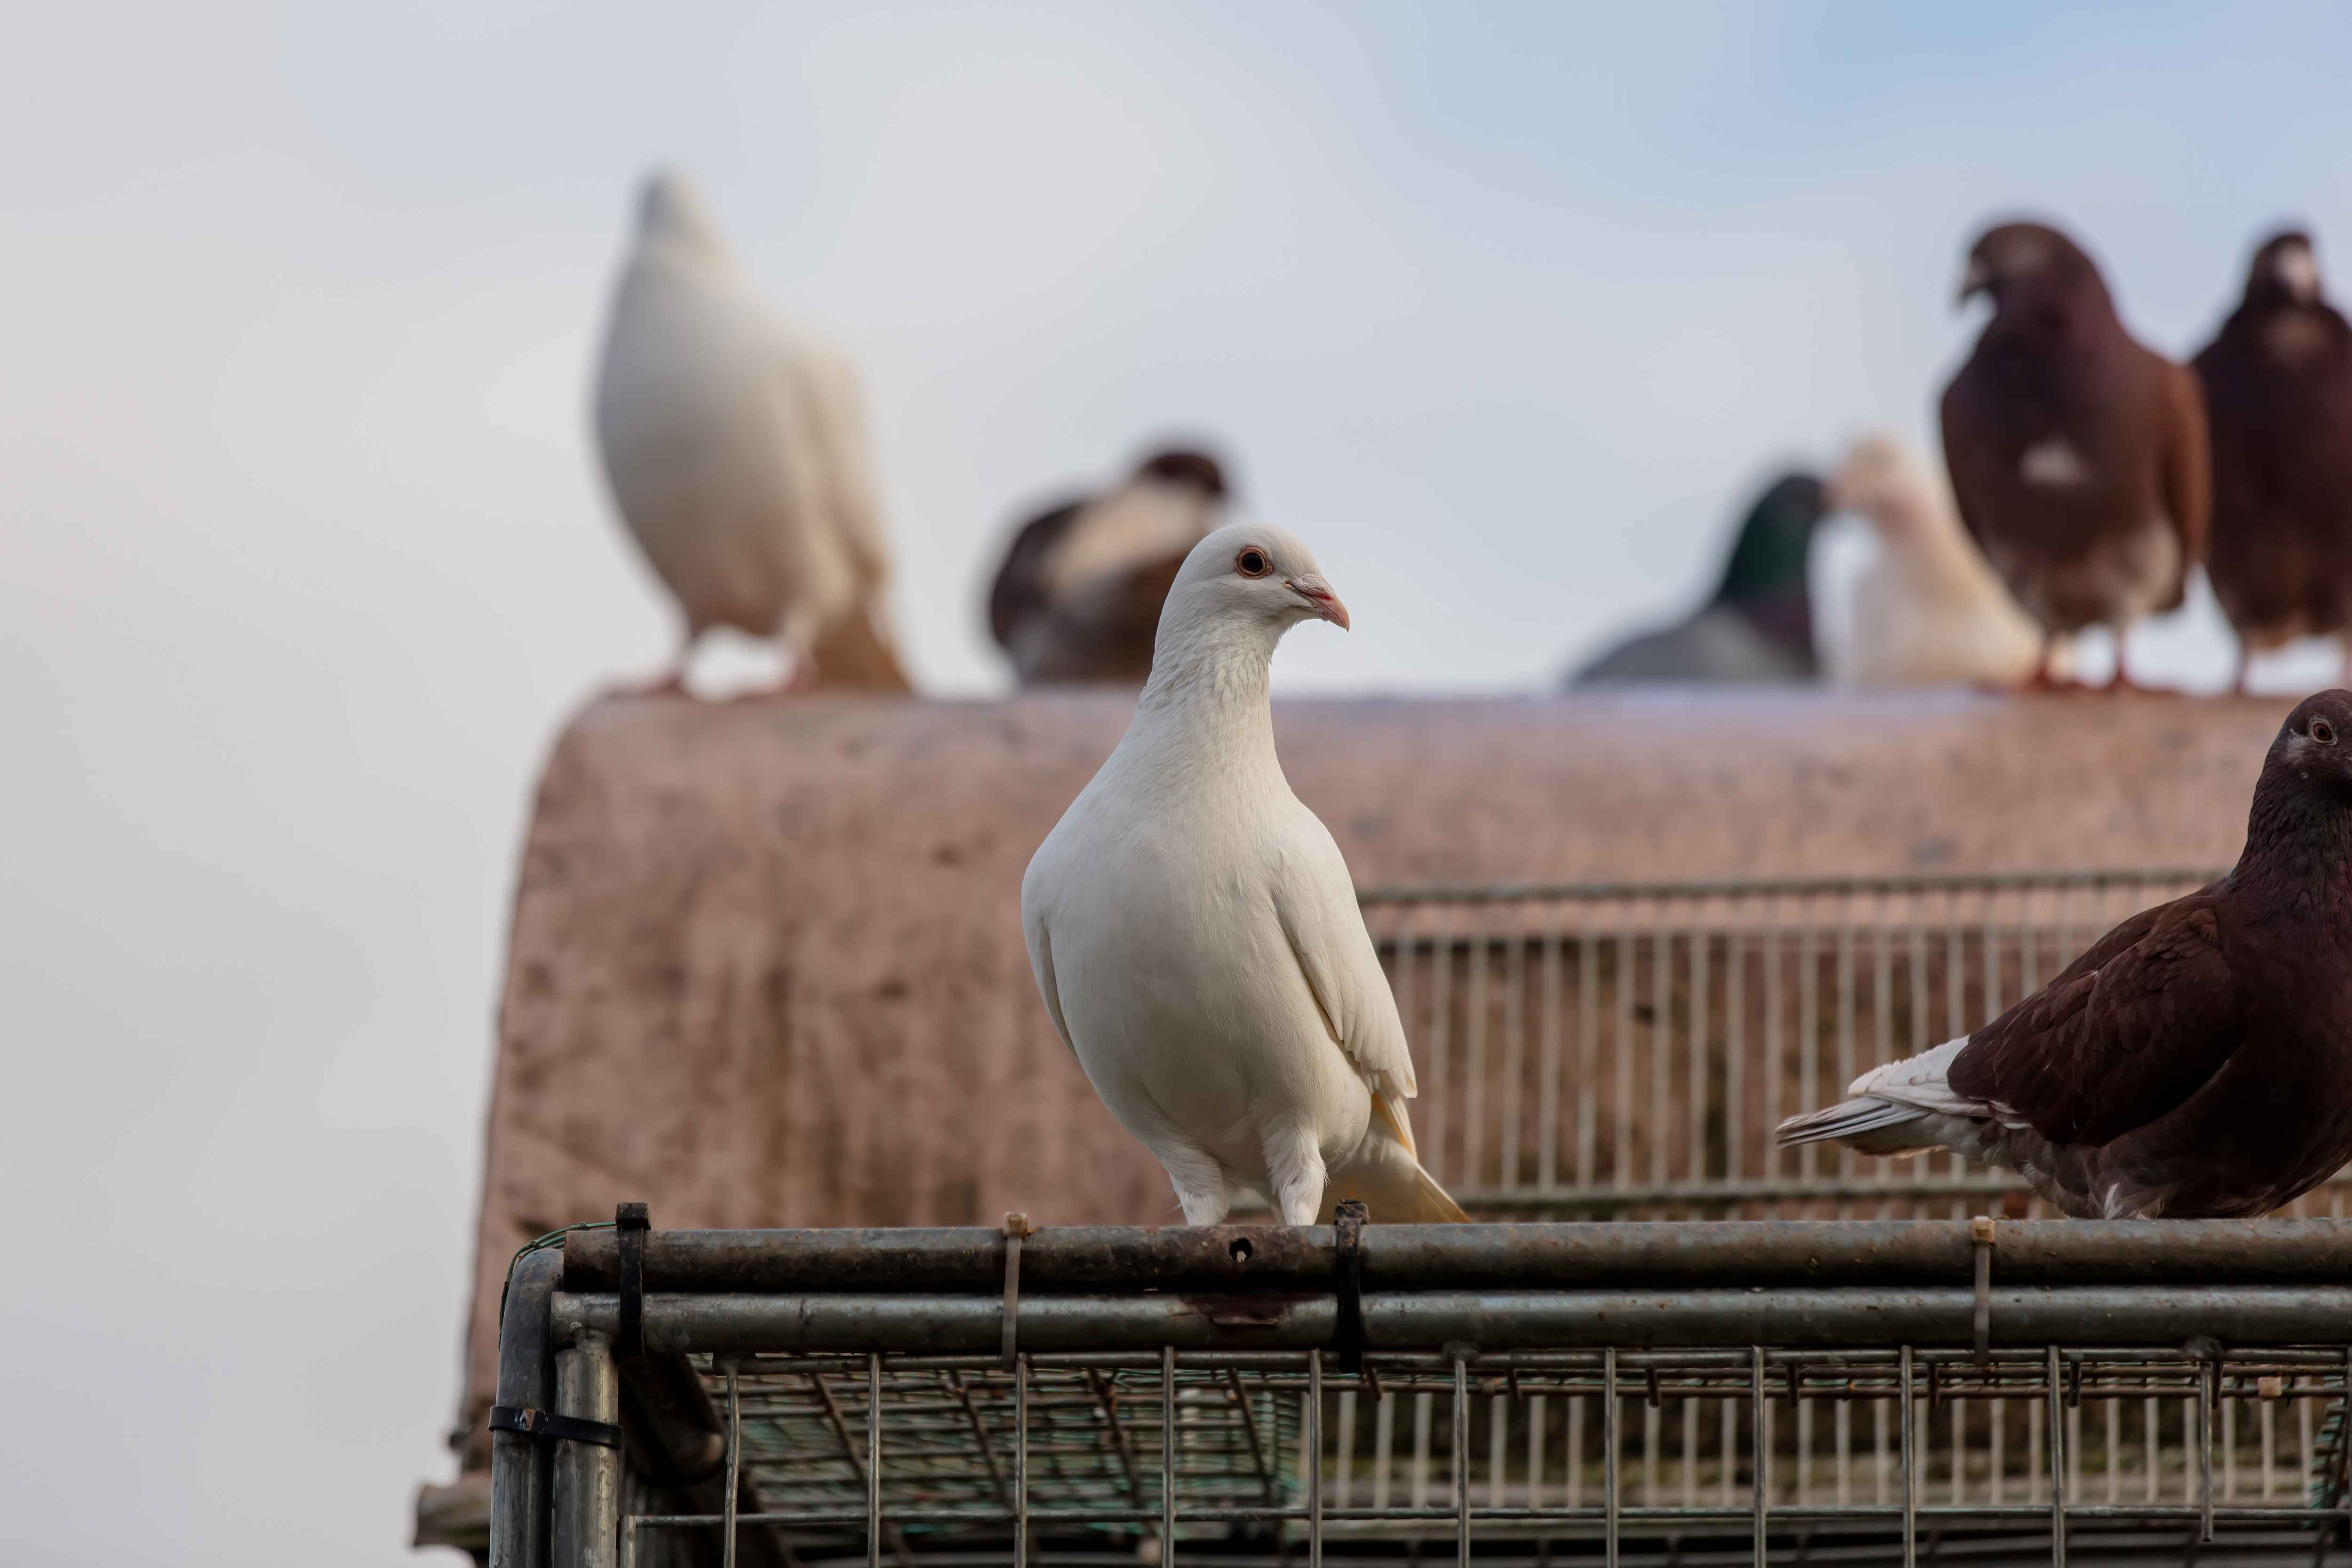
(1608, 1443)
(2205, 1380)
(2054, 1403)
(1661, 1038)
(1474, 1062)
(1735, 1050)
(1315, 1460)
(1249, 1427)
(1696, 1033)
(1059, 1260)
(1800, 1316)
(1345, 1476)
(1536, 1447)
(1910, 1469)
(1563, 892)
(956, 1385)
(587, 1482)
(521, 1467)
(1515, 1047)
(1621, 1058)
(1588, 1052)
(874, 1461)
(1383, 1449)
(1759, 1446)
(1725, 1193)
(1462, 1461)
(1548, 1094)
(1441, 1025)
(1107, 1403)
(733, 1505)
(1021, 1461)
(1167, 1455)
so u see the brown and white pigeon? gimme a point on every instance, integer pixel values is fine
(2196, 1062)
(736, 448)
(2278, 402)
(2077, 456)
(1078, 598)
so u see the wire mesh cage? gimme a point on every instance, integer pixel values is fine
(1625, 1051)
(1676, 1391)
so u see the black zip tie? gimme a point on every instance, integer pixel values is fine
(1016, 1228)
(548, 1424)
(1348, 1254)
(631, 1222)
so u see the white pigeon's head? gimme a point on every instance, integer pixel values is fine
(671, 211)
(1884, 480)
(1249, 576)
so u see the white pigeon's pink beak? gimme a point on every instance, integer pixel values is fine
(1319, 598)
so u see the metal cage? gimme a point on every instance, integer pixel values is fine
(1699, 1391)
(1625, 1050)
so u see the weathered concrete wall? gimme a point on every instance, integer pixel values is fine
(767, 964)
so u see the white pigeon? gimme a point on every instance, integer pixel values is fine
(1929, 608)
(736, 448)
(1196, 936)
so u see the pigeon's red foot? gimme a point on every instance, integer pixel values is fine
(2042, 683)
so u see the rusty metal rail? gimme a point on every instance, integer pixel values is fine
(1710, 1391)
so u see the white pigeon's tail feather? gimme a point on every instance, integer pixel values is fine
(1389, 1179)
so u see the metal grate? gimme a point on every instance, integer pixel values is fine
(1624, 1051)
(1597, 1391)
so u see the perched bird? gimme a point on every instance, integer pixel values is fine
(2077, 456)
(1759, 624)
(736, 449)
(1078, 596)
(1927, 609)
(2197, 1062)
(2278, 402)
(1195, 934)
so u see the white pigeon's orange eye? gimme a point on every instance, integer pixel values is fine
(1252, 562)
(2323, 731)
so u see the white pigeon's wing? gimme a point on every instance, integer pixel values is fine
(1316, 901)
(1041, 953)
(840, 413)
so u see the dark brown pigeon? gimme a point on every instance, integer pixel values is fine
(2197, 1062)
(2278, 402)
(1078, 596)
(2077, 456)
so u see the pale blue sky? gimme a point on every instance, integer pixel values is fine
(306, 554)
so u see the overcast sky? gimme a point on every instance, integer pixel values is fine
(306, 555)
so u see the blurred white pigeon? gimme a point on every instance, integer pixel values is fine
(736, 448)
(1929, 608)
(1195, 932)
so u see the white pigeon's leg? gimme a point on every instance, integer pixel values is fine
(2344, 670)
(1294, 1166)
(1201, 1189)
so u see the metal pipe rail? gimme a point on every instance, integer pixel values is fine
(1409, 1257)
(1812, 1387)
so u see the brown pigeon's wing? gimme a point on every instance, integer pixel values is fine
(2124, 1033)
(1961, 446)
(2186, 466)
